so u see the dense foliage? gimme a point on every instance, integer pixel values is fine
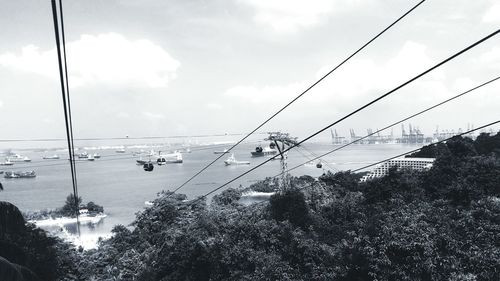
(28, 253)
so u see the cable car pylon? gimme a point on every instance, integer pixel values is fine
(283, 139)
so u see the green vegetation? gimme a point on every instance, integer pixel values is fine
(440, 224)
(67, 210)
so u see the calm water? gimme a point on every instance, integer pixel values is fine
(122, 187)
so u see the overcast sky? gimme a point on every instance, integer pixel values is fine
(157, 67)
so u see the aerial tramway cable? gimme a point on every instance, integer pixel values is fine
(67, 115)
(301, 94)
(362, 107)
(396, 123)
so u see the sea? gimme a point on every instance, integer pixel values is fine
(123, 188)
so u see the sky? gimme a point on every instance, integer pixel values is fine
(177, 67)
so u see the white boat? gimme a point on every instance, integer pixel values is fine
(91, 157)
(96, 156)
(55, 156)
(221, 151)
(232, 161)
(16, 175)
(83, 155)
(7, 163)
(18, 158)
(120, 150)
(170, 158)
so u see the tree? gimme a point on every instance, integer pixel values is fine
(71, 206)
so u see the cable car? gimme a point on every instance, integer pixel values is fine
(161, 161)
(319, 165)
(272, 145)
(148, 167)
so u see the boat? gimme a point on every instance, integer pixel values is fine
(83, 155)
(121, 150)
(18, 158)
(91, 157)
(55, 156)
(96, 156)
(221, 151)
(6, 163)
(231, 160)
(170, 158)
(259, 151)
(16, 175)
(141, 162)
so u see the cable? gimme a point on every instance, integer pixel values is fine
(418, 149)
(361, 108)
(68, 99)
(398, 122)
(66, 117)
(316, 157)
(303, 93)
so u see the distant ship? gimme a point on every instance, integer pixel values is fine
(55, 156)
(96, 156)
(83, 155)
(7, 163)
(259, 151)
(232, 161)
(121, 150)
(18, 158)
(91, 157)
(221, 151)
(16, 175)
(170, 158)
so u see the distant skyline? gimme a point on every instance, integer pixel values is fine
(161, 68)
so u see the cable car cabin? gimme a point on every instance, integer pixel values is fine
(319, 165)
(161, 161)
(272, 145)
(148, 167)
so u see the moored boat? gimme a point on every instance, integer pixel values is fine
(18, 158)
(231, 160)
(83, 155)
(6, 163)
(221, 151)
(16, 175)
(170, 158)
(55, 156)
(259, 151)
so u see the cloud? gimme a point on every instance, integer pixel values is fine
(109, 59)
(491, 58)
(214, 106)
(290, 15)
(153, 116)
(493, 14)
(357, 80)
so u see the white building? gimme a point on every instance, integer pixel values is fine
(381, 170)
